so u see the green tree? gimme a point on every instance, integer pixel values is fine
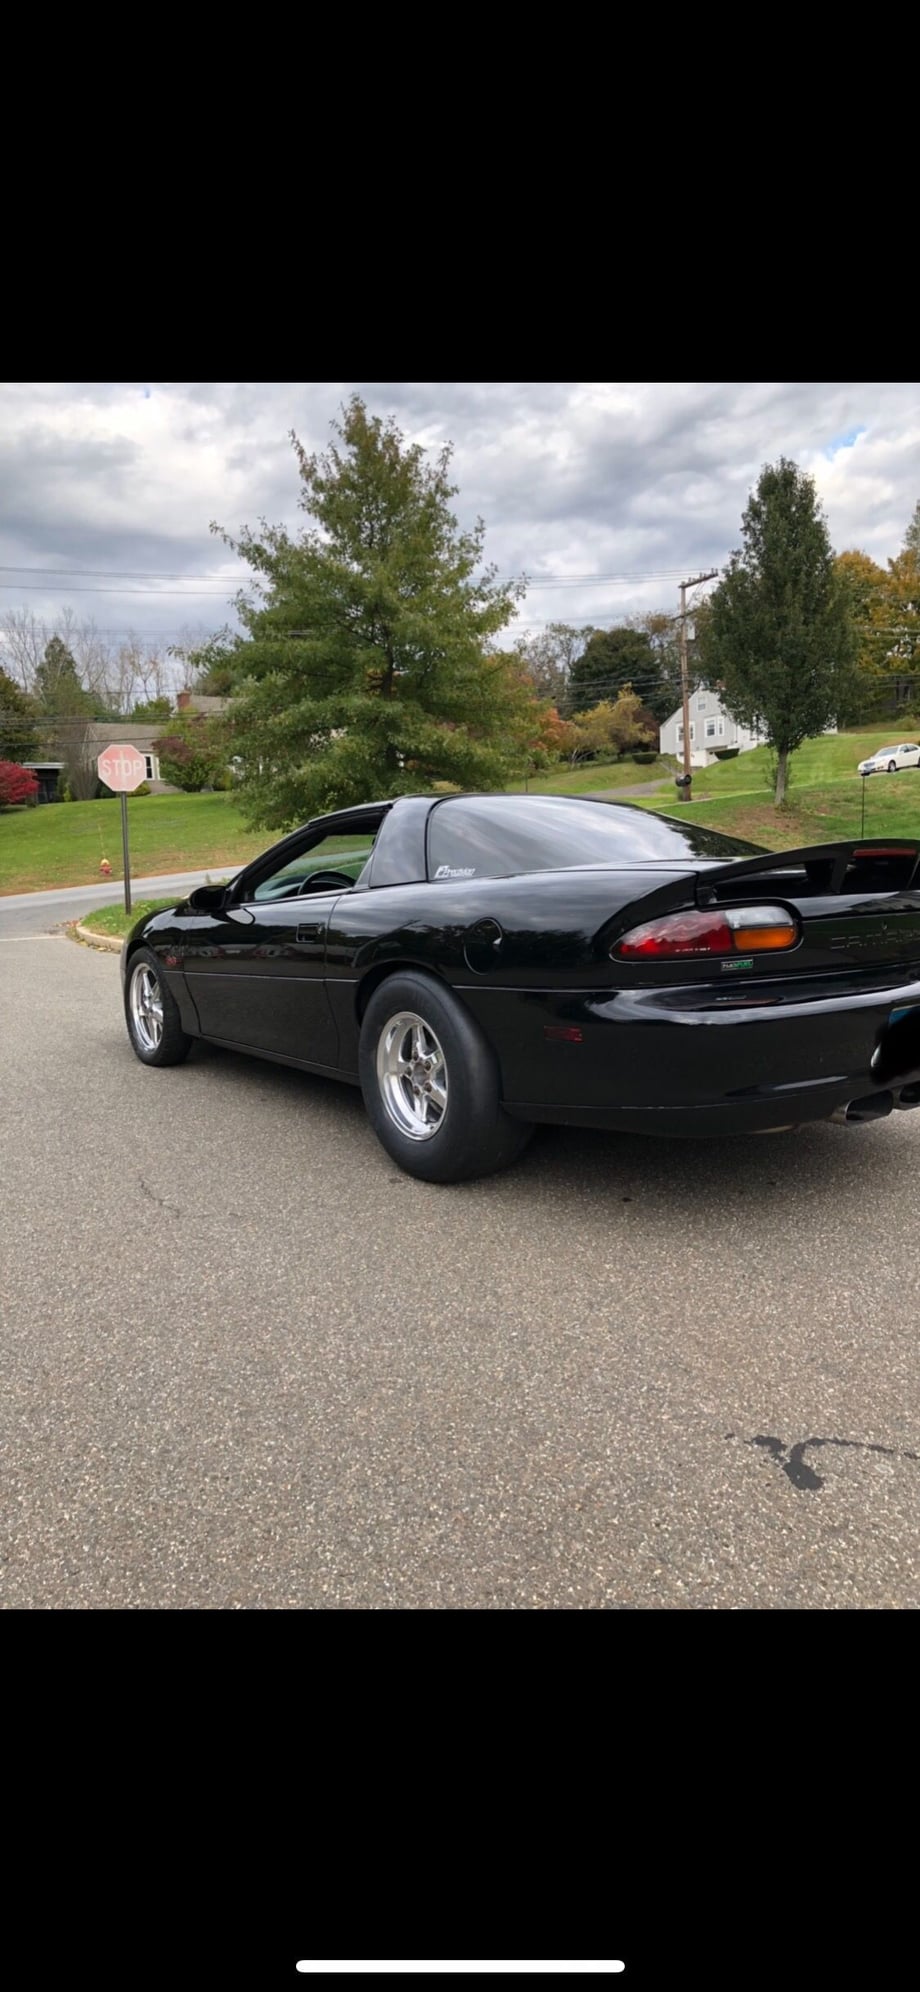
(885, 611)
(216, 665)
(778, 635)
(18, 729)
(193, 754)
(152, 709)
(865, 586)
(59, 690)
(547, 659)
(370, 667)
(662, 694)
(621, 726)
(611, 659)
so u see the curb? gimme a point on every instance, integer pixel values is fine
(108, 942)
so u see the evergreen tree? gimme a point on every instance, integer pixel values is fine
(778, 634)
(370, 667)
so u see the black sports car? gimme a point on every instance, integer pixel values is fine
(477, 963)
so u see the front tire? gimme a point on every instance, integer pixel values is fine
(431, 1085)
(152, 1014)
(892, 767)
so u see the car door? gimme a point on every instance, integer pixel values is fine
(255, 967)
(255, 975)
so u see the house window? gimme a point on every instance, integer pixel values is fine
(680, 733)
(710, 729)
(721, 729)
(150, 763)
(692, 732)
(701, 703)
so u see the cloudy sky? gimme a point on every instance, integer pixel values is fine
(604, 494)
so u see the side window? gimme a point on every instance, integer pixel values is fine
(335, 861)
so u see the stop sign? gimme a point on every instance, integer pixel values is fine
(121, 768)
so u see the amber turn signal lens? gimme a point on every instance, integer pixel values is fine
(750, 939)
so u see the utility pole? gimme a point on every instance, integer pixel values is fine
(694, 582)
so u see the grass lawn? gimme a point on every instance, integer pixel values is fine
(822, 814)
(114, 919)
(831, 758)
(61, 843)
(595, 776)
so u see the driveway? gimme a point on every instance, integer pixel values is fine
(247, 1363)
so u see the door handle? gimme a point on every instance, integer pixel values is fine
(307, 934)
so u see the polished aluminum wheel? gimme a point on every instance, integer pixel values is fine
(146, 1005)
(412, 1076)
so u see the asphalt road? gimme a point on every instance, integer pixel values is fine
(41, 912)
(246, 1363)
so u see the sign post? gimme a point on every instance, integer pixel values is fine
(122, 769)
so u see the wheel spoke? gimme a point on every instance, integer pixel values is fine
(147, 1009)
(412, 1076)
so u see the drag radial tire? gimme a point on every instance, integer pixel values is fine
(431, 1084)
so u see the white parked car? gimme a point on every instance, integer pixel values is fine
(889, 759)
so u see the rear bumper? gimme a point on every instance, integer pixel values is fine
(765, 1116)
(680, 1061)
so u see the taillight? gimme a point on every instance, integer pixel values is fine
(721, 931)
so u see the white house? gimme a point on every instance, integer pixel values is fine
(711, 727)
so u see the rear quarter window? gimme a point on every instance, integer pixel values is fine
(500, 836)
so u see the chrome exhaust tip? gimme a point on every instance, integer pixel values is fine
(872, 1107)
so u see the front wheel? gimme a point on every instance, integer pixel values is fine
(892, 767)
(431, 1086)
(152, 1014)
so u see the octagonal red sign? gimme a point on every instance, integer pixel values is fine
(122, 768)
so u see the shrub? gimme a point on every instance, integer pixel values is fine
(645, 757)
(17, 785)
(193, 753)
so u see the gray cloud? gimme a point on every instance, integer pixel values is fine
(571, 478)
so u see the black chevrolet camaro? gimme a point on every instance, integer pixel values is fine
(478, 963)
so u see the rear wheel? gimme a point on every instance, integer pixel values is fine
(152, 1013)
(431, 1086)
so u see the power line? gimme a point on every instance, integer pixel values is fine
(543, 580)
(63, 588)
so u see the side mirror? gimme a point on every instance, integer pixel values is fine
(207, 898)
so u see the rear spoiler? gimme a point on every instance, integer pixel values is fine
(890, 867)
(836, 861)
